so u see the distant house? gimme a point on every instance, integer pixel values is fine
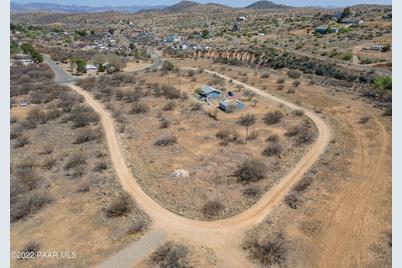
(324, 29)
(231, 105)
(172, 38)
(351, 21)
(376, 47)
(337, 16)
(90, 67)
(209, 92)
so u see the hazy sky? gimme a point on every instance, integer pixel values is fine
(237, 3)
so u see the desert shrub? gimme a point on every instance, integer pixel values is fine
(31, 247)
(290, 90)
(164, 123)
(280, 81)
(82, 116)
(265, 75)
(296, 83)
(294, 74)
(268, 251)
(249, 94)
(119, 117)
(213, 114)
(273, 138)
(167, 66)
(297, 112)
(227, 136)
(46, 149)
(15, 132)
(216, 80)
(252, 136)
(191, 73)
(21, 141)
(252, 192)
(37, 115)
(87, 135)
(87, 83)
(280, 87)
(28, 204)
(305, 137)
(100, 166)
(68, 100)
(273, 149)
(170, 92)
(170, 255)
(364, 119)
(28, 124)
(170, 105)
(120, 206)
(139, 108)
(196, 106)
(302, 133)
(272, 118)
(212, 208)
(74, 161)
(48, 163)
(136, 226)
(166, 141)
(251, 170)
(291, 200)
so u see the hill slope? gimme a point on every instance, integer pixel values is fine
(266, 5)
(57, 8)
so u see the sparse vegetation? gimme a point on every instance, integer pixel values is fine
(166, 141)
(272, 118)
(212, 208)
(251, 170)
(270, 250)
(171, 255)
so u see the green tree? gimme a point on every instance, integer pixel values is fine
(14, 47)
(101, 68)
(346, 12)
(29, 49)
(205, 33)
(79, 64)
(384, 83)
(167, 66)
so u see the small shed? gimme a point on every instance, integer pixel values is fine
(231, 105)
(324, 29)
(209, 92)
(91, 67)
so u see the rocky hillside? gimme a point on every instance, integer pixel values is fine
(266, 5)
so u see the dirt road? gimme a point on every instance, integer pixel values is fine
(223, 236)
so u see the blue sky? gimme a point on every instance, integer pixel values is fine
(237, 3)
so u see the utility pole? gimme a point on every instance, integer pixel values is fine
(179, 80)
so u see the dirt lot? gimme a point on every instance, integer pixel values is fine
(135, 66)
(57, 203)
(210, 164)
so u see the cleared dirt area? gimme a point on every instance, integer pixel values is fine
(135, 66)
(199, 152)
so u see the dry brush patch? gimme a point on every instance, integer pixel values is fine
(61, 174)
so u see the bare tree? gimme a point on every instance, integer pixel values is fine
(247, 121)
